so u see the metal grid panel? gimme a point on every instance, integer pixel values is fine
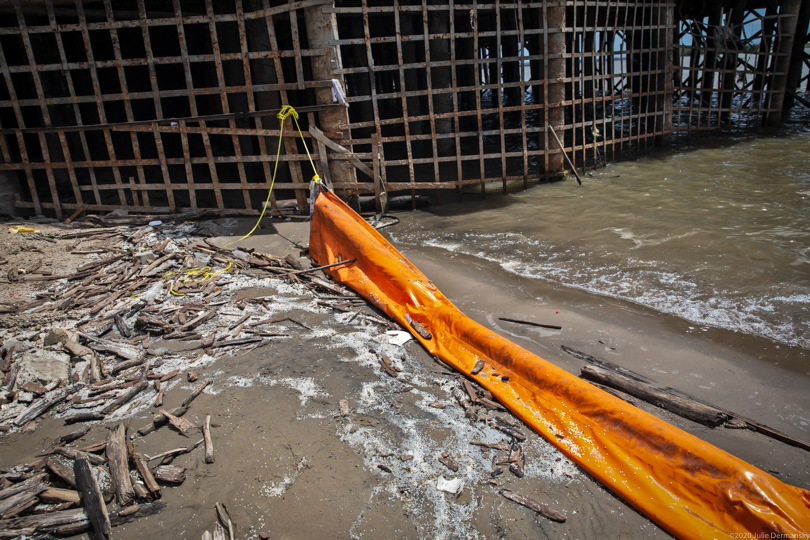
(153, 106)
(461, 94)
(726, 74)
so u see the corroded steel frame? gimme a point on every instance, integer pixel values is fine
(153, 106)
(463, 94)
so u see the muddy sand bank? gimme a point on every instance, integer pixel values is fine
(289, 465)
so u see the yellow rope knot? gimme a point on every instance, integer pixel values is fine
(287, 111)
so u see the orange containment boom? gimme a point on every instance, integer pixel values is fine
(687, 486)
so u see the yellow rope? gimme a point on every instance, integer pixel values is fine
(286, 112)
(205, 272)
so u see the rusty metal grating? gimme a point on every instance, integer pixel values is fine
(467, 93)
(730, 69)
(154, 106)
(157, 105)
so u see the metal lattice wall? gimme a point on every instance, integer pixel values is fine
(154, 106)
(730, 69)
(463, 94)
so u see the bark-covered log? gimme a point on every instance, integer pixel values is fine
(58, 495)
(117, 457)
(121, 401)
(542, 509)
(92, 499)
(209, 442)
(40, 406)
(146, 474)
(680, 405)
(170, 473)
(61, 471)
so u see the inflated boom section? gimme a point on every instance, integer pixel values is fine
(687, 486)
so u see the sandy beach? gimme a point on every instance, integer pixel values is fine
(290, 466)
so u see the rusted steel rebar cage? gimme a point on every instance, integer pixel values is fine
(157, 106)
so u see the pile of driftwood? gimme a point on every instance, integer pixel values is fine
(154, 287)
(168, 291)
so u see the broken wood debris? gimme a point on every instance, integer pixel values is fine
(542, 509)
(171, 474)
(529, 323)
(209, 442)
(182, 425)
(92, 499)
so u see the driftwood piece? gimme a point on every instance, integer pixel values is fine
(197, 391)
(159, 399)
(148, 479)
(209, 442)
(219, 532)
(235, 342)
(419, 328)
(448, 463)
(168, 376)
(127, 352)
(141, 492)
(123, 329)
(42, 405)
(70, 437)
(159, 420)
(225, 518)
(388, 368)
(78, 454)
(344, 407)
(478, 367)
(95, 447)
(136, 511)
(501, 447)
(84, 417)
(121, 401)
(542, 509)
(490, 404)
(751, 424)
(117, 458)
(182, 425)
(95, 368)
(464, 401)
(198, 320)
(92, 499)
(122, 366)
(43, 523)
(23, 486)
(152, 324)
(11, 377)
(61, 471)
(59, 495)
(175, 452)
(23, 507)
(171, 474)
(317, 268)
(470, 390)
(75, 349)
(682, 406)
(509, 430)
(529, 323)
(331, 287)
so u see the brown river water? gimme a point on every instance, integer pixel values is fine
(716, 232)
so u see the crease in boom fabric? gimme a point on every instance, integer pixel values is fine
(687, 486)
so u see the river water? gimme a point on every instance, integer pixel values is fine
(716, 232)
